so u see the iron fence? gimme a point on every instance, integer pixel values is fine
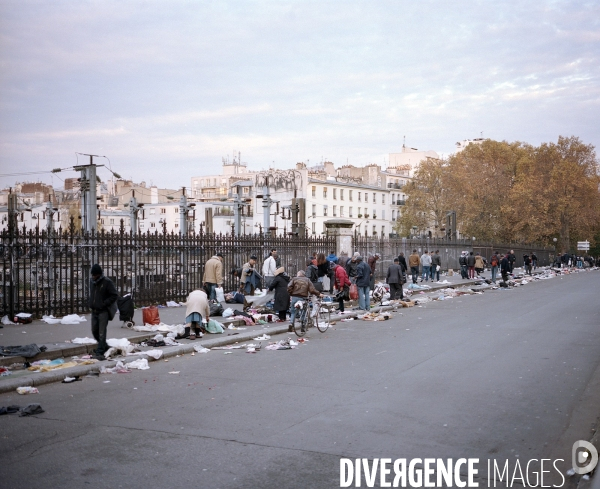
(50, 273)
(450, 251)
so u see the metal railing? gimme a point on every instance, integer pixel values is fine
(50, 273)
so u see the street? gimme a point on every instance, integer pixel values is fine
(506, 375)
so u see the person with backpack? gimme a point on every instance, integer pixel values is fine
(312, 274)
(342, 284)
(494, 262)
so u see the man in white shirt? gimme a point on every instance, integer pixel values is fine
(269, 267)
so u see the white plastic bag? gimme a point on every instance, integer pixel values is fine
(227, 312)
(140, 364)
(220, 294)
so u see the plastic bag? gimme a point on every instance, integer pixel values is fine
(227, 312)
(214, 326)
(220, 294)
(150, 315)
(216, 309)
(354, 292)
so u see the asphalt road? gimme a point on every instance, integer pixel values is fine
(507, 375)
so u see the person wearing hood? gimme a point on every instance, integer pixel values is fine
(363, 282)
(213, 275)
(332, 257)
(102, 302)
(279, 284)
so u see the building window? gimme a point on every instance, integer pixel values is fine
(163, 210)
(341, 210)
(341, 194)
(383, 214)
(111, 221)
(314, 193)
(335, 194)
(349, 211)
(382, 231)
(366, 212)
(102, 221)
(324, 192)
(314, 227)
(152, 224)
(176, 210)
(324, 228)
(152, 212)
(374, 198)
(335, 211)
(246, 190)
(359, 196)
(314, 210)
(176, 224)
(350, 195)
(374, 230)
(366, 197)
(393, 215)
(325, 210)
(383, 198)
(359, 213)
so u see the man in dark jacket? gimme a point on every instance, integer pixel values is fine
(394, 279)
(103, 295)
(363, 282)
(471, 265)
(436, 265)
(351, 266)
(402, 262)
(512, 258)
(505, 268)
(462, 261)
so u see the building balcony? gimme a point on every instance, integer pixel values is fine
(395, 185)
(400, 202)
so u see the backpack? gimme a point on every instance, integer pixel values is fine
(494, 261)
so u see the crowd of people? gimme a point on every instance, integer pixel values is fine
(331, 274)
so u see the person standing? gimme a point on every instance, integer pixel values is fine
(269, 267)
(462, 261)
(527, 263)
(343, 259)
(372, 261)
(324, 270)
(413, 262)
(471, 264)
(511, 260)
(436, 265)
(213, 275)
(249, 278)
(479, 264)
(363, 282)
(197, 313)
(103, 296)
(426, 265)
(279, 284)
(494, 262)
(394, 279)
(534, 260)
(342, 284)
(505, 268)
(402, 261)
(332, 257)
(351, 267)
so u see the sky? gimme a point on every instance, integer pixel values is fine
(167, 89)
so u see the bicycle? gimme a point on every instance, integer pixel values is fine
(310, 312)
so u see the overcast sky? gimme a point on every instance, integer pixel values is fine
(166, 89)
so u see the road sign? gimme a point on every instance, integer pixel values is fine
(583, 245)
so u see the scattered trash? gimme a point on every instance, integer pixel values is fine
(4, 372)
(156, 354)
(173, 304)
(140, 364)
(83, 341)
(264, 337)
(227, 313)
(69, 380)
(200, 349)
(27, 390)
(70, 319)
(174, 372)
(31, 409)
(6, 320)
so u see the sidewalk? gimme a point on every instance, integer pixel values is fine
(56, 336)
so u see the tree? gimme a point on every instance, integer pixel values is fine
(426, 202)
(557, 194)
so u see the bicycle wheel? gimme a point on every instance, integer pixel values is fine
(300, 321)
(323, 319)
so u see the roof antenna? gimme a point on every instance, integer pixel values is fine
(404, 143)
